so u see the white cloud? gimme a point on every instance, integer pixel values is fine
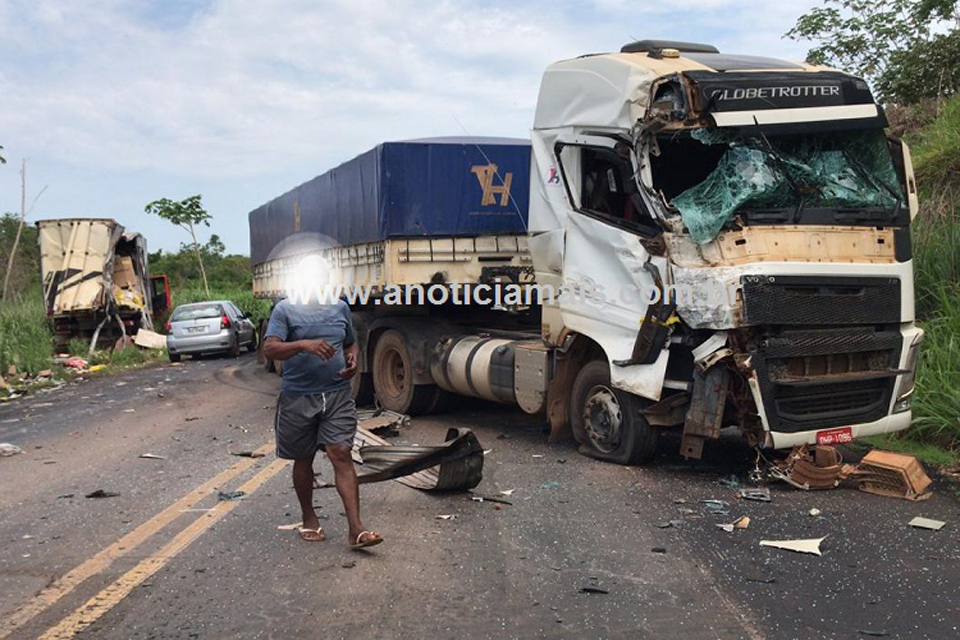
(178, 98)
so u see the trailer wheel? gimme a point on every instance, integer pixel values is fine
(393, 377)
(607, 422)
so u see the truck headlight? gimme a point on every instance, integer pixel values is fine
(908, 379)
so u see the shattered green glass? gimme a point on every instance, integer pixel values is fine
(814, 171)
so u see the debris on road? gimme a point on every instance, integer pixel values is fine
(871, 632)
(814, 512)
(927, 523)
(659, 550)
(892, 474)
(150, 339)
(803, 470)
(65, 496)
(552, 484)
(247, 454)
(151, 456)
(740, 523)
(289, 527)
(7, 449)
(456, 465)
(758, 494)
(507, 492)
(447, 516)
(596, 590)
(718, 507)
(811, 546)
(230, 495)
(383, 422)
(490, 499)
(100, 493)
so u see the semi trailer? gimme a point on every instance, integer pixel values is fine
(708, 240)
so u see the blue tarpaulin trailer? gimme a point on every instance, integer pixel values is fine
(439, 187)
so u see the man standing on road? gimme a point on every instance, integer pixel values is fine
(315, 410)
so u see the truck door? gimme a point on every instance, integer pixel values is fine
(609, 275)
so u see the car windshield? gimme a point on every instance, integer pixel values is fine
(197, 312)
(727, 173)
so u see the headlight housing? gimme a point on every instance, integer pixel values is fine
(908, 380)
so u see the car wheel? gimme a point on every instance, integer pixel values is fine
(608, 422)
(174, 357)
(234, 350)
(252, 345)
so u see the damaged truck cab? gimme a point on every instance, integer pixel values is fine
(732, 234)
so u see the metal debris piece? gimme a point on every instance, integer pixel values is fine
(811, 546)
(873, 633)
(927, 523)
(597, 590)
(892, 474)
(231, 495)
(800, 469)
(761, 579)
(659, 550)
(383, 422)
(151, 456)
(100, 493)
(247, 454)
(456, 465)
(490, 499)
(759, 494)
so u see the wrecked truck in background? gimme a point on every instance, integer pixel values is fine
(96, 281)
(760, 198)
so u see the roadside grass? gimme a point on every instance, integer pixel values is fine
(25, 336)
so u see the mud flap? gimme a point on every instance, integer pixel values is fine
(705, 415)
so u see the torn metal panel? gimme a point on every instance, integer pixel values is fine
(811, 546)
(705, 415)
(456, 465)
(892, 474)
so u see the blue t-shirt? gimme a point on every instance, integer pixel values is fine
(306, 373)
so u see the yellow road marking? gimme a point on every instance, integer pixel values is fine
(114, 593)
(51, 594)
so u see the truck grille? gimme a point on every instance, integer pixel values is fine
(826, 378)
(817, 300)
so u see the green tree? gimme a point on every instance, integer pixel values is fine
(882, 40)
(187, 214)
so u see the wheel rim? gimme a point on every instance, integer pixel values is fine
(393, 374)
(603, 419)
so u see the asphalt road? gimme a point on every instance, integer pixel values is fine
(167, 559)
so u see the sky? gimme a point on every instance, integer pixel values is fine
(116, 103)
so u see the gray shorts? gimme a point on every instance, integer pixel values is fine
(306, 424)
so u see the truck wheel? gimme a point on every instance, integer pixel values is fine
(607, 422)
(393, 377)
(362, 387)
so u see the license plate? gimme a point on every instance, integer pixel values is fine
(835, 436)
(196, 329)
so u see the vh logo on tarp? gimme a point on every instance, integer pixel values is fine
(485, 174)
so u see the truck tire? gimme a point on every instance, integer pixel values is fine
(362, 387)
(607, 422)
(393, 377)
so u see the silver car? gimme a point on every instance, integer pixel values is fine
(209, 327)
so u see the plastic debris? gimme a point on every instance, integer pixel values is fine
(553, 484)
(733, 482)
(230, 495)
(507, 492)
(446, 516)
(151, 456)
(892, 474)
(7, 449)
(811, 546)
(927, 523)
(100, 493)
(718, 507)
(97, 367)
(759, 494)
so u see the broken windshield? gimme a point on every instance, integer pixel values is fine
(710, 175)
